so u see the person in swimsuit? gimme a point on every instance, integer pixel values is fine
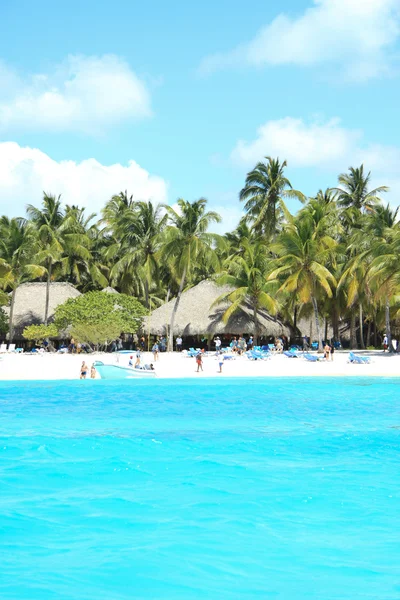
(84, 370)
(92, 372)
(199, 361)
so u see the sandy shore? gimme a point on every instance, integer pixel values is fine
(58, 366)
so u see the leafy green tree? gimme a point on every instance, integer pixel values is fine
(39, 333)
(101, 334)
(187, 242)
(98, 309)
(247, 275)
(3, 323)
(264, 191)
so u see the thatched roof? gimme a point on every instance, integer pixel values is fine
(196, 316)
(110, 290)
(30, 302)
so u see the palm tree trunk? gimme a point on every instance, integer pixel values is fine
(174, 311)
(11, 324)
(46, 310)
(387, 324)
(353, 338)
(361, 324)
(375, 332)
(326, 330)
(335, 323)
(316, 315)
(166, 324)
(255, 321)
(295, 318)
(146, 293)
(369, 333)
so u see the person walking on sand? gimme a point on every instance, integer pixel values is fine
(179, 344)
(220, 362)
(327, 351)
(199, 361)
(84, 370)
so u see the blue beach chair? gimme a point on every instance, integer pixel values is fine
(311, 357)
(291, 353)
(359, 360)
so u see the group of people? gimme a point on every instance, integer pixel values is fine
(85, 370)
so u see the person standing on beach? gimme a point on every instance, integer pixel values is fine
(179, 344)
(385, 342)
(155, 350)
(137, 363)
(221, 362)
(84, 370)
(93, 372)
(199, 361)
(217, 344)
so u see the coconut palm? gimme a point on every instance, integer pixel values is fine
(17, 246)
(187, 241)
(264, 191)
(384, 273)
(354, 192)
(304, 249)
(247, 274)
(139, 241)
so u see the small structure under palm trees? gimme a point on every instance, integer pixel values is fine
(197, 315)
(30, 303)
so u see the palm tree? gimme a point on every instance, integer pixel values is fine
(304, 249)
(187, 242)
(384, 273)
(247, 274)
(17, 245)
(49, 221)
(354, 192)
(139, 241)
(265, 188)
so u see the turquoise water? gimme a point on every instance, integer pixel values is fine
(217, 489)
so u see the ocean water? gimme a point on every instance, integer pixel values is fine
(217, 489)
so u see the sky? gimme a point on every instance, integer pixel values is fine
(170, 100)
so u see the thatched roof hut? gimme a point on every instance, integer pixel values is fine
(30, 302)
(197, 316)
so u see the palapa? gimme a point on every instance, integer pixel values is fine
(198, 315)
(30, 302)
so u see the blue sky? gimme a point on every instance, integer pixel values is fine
(181, 100)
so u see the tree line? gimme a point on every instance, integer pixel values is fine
(336, 259)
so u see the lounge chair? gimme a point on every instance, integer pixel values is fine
(291, 353)
(311, 357)
(258, 355)
(359, 360)
(3, 348)
(11, 348)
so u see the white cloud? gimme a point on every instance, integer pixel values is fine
(81, 94)
(26, 172)
(358, 35)
(301, 144)
(325, 145)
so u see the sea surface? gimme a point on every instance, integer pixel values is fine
(192, 489)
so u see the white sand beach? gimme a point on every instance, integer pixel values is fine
(174, 365)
